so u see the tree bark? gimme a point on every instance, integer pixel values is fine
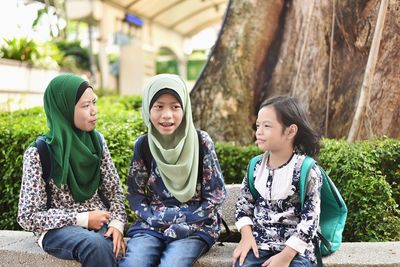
(222, 98)
(268, 48)
(364, 97)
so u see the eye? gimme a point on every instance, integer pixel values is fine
(157, 106)
(257, 126)
(176, 107)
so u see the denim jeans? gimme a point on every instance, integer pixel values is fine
(145, 250)
(88, 247)
(252, 261)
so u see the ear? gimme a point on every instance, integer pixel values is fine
(292, 131)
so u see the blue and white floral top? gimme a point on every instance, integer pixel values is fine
(162, 215)
(276, 216)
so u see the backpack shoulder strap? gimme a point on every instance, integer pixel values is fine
(306, 166)
(250, 176)
(144, 151)
(45, 161)
(101, 139)
(201, 157)
(44, 155)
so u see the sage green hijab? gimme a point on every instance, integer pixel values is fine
(75, 154)
(177, 155)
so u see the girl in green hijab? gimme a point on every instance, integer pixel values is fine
(175, 183)
(79, 212)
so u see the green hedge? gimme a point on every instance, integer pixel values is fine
(367, 173)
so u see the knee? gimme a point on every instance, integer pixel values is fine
(97, 244)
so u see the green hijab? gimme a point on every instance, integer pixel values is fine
(75, 154)
(177, 155)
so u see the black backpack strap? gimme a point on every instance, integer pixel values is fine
(44, 155)
(201, 157)
(100, 192)
(144, 152)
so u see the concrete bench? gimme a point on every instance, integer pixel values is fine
(18, 248)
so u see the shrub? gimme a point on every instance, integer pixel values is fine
(367, 173)
(119, 126)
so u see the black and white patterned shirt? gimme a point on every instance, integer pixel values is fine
(276, 216)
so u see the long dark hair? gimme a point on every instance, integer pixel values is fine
(289, 111)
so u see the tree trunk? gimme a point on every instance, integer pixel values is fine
(364, 97)
(266, 49)
(222, 98)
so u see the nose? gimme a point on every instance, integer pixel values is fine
(93, 110)
(166, 114)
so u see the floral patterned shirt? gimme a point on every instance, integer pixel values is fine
(162, 215)
(276, 216)
(64, 211)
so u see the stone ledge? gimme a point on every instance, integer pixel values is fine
(19, 249)
(350, 255)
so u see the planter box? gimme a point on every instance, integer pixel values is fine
(21, 85)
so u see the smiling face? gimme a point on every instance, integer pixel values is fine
(271, 134)
(166, 114)
(85, 111)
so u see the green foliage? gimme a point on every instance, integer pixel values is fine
(118, 102)
(194, 68)
(119, 125)
(24, 49)
(367, 173)
(233, 160)
(74, 56)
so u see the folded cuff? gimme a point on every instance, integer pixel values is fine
(82, 219)
(117, 225)
(297, 244)
(242, 222)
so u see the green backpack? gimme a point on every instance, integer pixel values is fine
(333, 208)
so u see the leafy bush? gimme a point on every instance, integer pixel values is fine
(233, 160)
(24, 49)
(75, 57)
(367, 173)
(119, 126)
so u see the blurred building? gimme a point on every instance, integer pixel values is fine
(150, 35)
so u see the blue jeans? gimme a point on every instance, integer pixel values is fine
(145, 250)
(252, 261)
(88, 247)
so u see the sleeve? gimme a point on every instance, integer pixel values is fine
(309, 220)
(244, 205)
(138, 199)
(112, 189)
(32, 213)
(213, 186)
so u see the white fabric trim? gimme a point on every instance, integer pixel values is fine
(40, 240)
(118, 225)
(281, 183)
(82, 219)
(297, 244)
(243, 222)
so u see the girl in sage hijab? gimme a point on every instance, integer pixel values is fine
(178, 195)
(79, 214)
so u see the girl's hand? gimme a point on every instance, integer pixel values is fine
(119, 246)
(282, 259)
(97, 219)
(246, 243)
